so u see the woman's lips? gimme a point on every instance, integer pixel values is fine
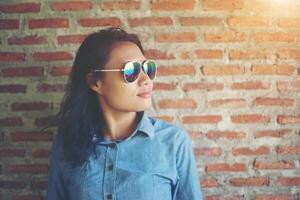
(145, 95)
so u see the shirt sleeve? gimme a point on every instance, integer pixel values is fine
(188, 185)
(57, 189)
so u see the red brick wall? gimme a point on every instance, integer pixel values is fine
(229, 73)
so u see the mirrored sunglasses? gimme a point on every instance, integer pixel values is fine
(132, 69)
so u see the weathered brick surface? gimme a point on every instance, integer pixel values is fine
(229, 73)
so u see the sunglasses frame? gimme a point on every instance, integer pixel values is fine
(118, 70)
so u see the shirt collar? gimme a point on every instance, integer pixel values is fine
(145, 125)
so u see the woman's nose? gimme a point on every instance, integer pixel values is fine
(143, 78)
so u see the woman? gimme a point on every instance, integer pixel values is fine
(107, 147)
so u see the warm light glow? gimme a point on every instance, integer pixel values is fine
(283, 2)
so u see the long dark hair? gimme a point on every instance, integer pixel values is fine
(80, 118)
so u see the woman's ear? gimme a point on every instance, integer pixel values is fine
(94, 84)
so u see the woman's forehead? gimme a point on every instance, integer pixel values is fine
(125, 52)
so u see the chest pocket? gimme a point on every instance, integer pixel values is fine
(162, 186)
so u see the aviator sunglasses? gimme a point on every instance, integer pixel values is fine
(132, 69)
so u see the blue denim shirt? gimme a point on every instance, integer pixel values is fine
(156, 162)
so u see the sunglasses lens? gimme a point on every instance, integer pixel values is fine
(150, 68)
(131, 71)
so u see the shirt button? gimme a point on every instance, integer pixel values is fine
(109, 196)
(112, 145)
(110, 167)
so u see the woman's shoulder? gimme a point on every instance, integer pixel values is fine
(163, 128)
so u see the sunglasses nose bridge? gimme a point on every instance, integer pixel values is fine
(143, 75)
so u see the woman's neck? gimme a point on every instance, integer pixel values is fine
(119, 125)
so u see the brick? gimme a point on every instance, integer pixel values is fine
(250, 118)
(60, 71)
(288, 54)
(71, 5)
(12, 184)
(21, 8)
(11, 121)
(186, 55)
(9, 24)
(177, 103)
(41, 153)
(209, 53)
(231, 102)
(209, 183)
(12, 152)
(120, 5)
(274, 37)
(288, 85)
(150, 21)
(247, 151)
(288, 181)
(210, 119)
(92, 22)
(70, 39)
(12, 57)
(30, 106)
(273, 101)
(164, 86)
(166, 118)
(23, 72)
(249, 54)
(222, 4)
(267, 6)
(52, 56)
(212, 197)
(13, 88)
(288, 119)
(249, 181)
(288, 150)
(289, 22)
(248, 21)
(48, 23)
(225, 167)
(221, 70)
(32, 136)
(39, 185)
(43, 121)
(176, 37)
(199, 21)
(176, 70)
(44, 87)
(27, 40)
(272, 133)
(249, 85)
(273, 197)
(225, 37)
(281, 164)
(172, 5)
(1, 139)
(28, 168)
(158, 54)
(208, 151)
(202, 86)
(28, 197)
(231, 135)
(273, 69)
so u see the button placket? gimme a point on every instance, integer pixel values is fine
(110, 172)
